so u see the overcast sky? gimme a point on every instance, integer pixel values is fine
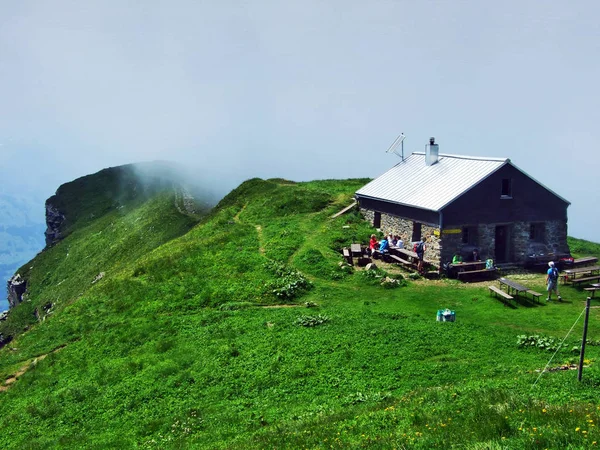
(299, 89)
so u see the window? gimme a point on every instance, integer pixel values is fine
(469, 235)
(536, 232)
(465, 235)
(506, 188)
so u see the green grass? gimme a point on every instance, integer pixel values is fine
(246, 330)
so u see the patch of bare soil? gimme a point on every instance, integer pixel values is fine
(562, 367)
(282, 306)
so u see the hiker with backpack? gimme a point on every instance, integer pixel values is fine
(552, 280)
(419, 249)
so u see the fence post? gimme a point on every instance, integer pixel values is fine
(585, 326)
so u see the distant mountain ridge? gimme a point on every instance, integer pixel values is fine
(83, 201)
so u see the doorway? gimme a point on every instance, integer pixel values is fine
(377, 220)
(501, 249)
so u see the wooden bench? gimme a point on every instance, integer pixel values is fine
(584, 280)
(500, 292)
(347, 255)
(401, 261)
(535, 295)
(592, 290)
(470, 274)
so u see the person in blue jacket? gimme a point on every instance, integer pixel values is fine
(384, 245)
(552, 280)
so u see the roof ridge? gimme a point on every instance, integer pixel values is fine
(475, 158)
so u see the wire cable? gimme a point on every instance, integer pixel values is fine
(558, 348)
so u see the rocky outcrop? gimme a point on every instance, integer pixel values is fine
(16, 287)
(4, 340)
(54, 220)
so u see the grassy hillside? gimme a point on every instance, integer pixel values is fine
(245, 331)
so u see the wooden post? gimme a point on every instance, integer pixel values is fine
(585, 326)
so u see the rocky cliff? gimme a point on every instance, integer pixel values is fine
(15, 288)
(54, 220)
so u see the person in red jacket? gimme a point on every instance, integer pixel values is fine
(373, 244)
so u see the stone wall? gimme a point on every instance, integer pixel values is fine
(518, 241)
(554, 237)
(404, 228)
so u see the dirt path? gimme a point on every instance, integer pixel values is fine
(30, 365)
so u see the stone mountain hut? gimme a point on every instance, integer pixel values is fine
(458, 203)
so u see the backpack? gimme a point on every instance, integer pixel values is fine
(419, 247)
(554, 274)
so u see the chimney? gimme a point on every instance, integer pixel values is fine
(431, 152)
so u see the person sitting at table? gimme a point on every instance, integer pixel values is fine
(394, 241)
(476, 255)
(373, 244)
(457, 259)
(399, 242)
(384, 245)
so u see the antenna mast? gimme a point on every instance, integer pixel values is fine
(393, 148)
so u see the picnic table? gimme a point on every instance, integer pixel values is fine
(517, 288)
(585, 260)
(405, 252)
(571, 274)
(472, 270)
(512, 286)
(468, 266)
(356, 250)
(593, 288)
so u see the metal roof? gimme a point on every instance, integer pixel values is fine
(411, 182)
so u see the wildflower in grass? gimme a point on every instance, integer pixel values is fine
(577, 429)
(544, 410)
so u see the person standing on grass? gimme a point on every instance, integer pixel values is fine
(552, 281)
(420, 251)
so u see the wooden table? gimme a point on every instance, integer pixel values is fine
(406, 253)
(512, 286)
(356, 250)
(585, 260)
(468, 266)
(518, 288)
(571, 274)
(593, 288)
(470, 270)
